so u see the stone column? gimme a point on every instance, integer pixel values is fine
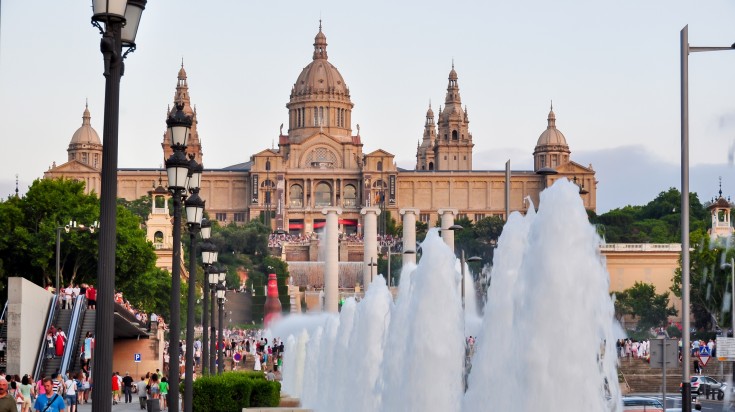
(370, 242)
(447, 216)
(331, 260)
(409, 235)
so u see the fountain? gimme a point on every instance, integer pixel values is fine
(546, 328)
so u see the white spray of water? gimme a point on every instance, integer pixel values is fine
(548, 322)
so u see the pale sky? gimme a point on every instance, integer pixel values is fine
(611, 69)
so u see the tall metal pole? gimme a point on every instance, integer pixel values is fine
(213, 345)
(732, 308)
(174, 327)
(189, 378)
(686, 395)
(111, 47)
(58, 260)
(205, 323)
(220, 340)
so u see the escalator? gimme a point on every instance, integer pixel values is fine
(71, 350)
(86, 325)
(59, 318)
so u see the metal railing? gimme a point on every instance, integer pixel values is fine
(73, 335)
(54, 307)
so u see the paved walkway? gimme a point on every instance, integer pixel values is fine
(120, 407)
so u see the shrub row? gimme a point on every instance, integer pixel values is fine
(232, 391)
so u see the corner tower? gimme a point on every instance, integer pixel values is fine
(320, 99)
(453, 149)
(194, 145)
(425, 149)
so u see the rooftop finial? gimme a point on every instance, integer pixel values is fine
(552, 105)
(16, 185)
(452, 62)
(86, 103)
(320, 22)
(182, 62)
(720, 186)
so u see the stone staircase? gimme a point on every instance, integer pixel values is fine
(641, 378)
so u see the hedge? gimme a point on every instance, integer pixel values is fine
(232, 391)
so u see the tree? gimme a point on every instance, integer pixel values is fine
(709, 280)
(28, 240)
(642, 301)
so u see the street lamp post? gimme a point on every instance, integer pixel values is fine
(685, 49)
(120, 19)
(177, 168)
(68, 228)
(194, 211)
(209, 256)
(463, 261)
(213, 278)
(221, 343)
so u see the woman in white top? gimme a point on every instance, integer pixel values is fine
(70, 393)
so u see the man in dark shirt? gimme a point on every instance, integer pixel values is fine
(128, 387)
(7, 403)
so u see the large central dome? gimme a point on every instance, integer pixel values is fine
(320, 99)
(320, 76)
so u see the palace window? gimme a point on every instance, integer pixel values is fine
(323, 194)
(239, 217)
(158, 237)
(425, 217)
(479, 216)
(454, 135)
(350, 196)
(296, 196)
(221, 217)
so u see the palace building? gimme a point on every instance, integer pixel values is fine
(319, 162)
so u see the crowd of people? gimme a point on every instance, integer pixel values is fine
(276, 240)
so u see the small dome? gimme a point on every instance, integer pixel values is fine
(453, 74)
(182, 72)
(320, 75)
(86, 134)
(430, 113)
(551, 136)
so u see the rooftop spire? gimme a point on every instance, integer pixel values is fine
(320, 44)
(552, 118)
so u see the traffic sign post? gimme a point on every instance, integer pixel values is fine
(137, 358)
(664, 352)
(704, 355)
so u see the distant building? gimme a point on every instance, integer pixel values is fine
(320, 162)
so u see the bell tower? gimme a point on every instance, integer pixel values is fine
(453, 149)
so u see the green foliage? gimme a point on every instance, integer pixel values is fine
(233, 391)
(139, 207)
(28, 242)
(642, 301)
(478, 239)
(656, 222)
(709, 281)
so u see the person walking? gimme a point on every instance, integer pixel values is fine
(49, 401)
(128, 388)
(142, 394)
(7, 402)
(60, 342)
(28, 391)
(70, 393)
(115, 389)
(164, 392)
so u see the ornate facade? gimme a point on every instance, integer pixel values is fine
(319, 162)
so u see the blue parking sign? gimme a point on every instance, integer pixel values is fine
(137, 357)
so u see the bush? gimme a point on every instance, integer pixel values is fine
(673, 331)
(265, 393)
(233, 391)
